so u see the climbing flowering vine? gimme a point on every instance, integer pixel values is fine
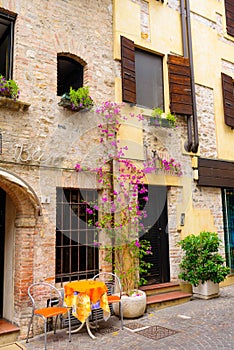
(118, 214)
(172, 165)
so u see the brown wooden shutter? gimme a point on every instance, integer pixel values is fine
(229, 6)
(180, 85)
(128, 70)
(228, 99)
(215, 173)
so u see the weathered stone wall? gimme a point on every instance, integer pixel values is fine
(42, 145)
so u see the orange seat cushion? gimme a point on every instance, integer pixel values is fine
(113, 299)
(51, 311)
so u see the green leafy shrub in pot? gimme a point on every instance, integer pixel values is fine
(8, 88)
(201, 261)
(80, 98)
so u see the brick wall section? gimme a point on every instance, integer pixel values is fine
(206, 121)
(174, 197)
(144, 13)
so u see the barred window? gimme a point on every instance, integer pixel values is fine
(76, 251)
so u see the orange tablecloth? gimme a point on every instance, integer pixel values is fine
(89, 293)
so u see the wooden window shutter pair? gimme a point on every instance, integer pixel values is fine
(180, 85)
(228, 99)
(229, 7)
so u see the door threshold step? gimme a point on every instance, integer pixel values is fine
(156, 289)
(160, 286)
(8, 332)
(151, 299)
(7, 327)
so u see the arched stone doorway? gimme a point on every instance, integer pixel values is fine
(20, 208)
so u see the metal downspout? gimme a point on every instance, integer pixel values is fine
(195, 125)
(189, 142)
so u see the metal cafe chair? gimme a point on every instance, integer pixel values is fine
(47, 302)
(114, 293)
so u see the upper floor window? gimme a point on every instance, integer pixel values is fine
(142, 76)
(7, 20)
(70, 74)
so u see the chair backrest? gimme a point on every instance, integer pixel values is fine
(112, 282)
(44, 294)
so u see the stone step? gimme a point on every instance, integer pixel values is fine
(160, 301)
(155, 289)
(8, 332)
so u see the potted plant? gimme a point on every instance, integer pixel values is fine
(130, 266)
(77, 100)
(163, 119)
(8, 88)
(202, 265)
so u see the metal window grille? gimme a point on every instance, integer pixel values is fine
(76, 252)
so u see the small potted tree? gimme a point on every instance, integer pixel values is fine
(202, 265)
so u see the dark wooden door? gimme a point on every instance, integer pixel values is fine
(2, 239)
(156, 231)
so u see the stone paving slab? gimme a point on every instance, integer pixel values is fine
(196, 325)
(12, 346)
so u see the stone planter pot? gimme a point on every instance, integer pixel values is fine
(206, 290)
(133, 306)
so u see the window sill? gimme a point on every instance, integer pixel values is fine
(9, 103)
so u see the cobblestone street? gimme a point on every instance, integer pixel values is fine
(196, 325)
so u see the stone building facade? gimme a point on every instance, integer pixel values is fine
(41, 141)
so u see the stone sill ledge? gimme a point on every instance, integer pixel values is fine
(13, 105)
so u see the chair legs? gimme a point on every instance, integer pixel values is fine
(45, 331)
(45, 328)
(29, 326)
(121, 314)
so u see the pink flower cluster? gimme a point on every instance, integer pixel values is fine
(171, 165)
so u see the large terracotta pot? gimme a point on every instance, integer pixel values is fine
(206, 290)
(133, 306)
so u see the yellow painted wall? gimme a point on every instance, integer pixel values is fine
(209, 49)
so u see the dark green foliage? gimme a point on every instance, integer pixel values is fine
(201, 261)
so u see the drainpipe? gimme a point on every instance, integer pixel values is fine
(189, 142)
(195, 125)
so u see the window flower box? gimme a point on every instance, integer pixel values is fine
(77, 100)
(14, 105)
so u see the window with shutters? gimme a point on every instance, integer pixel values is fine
(70, 73)
(142, 76)
(229, 8)
(180, 85)
(7, 20)
(228, 99)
